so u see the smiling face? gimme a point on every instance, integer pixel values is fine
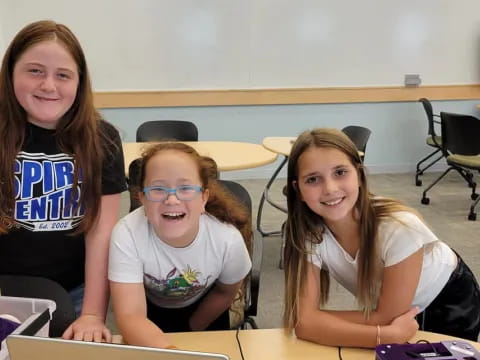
(174, 221)
(328, 183)
(45, 81)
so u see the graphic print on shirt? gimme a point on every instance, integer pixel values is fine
(43, 192)
(177, 286)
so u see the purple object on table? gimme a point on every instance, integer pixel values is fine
(444, 350)
(6, 328)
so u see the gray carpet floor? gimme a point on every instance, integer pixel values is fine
(446, 215)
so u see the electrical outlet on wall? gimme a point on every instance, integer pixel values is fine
(412, 80)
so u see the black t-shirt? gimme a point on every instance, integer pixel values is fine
(39, 244)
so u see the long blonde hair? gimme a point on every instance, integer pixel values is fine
(303, 224)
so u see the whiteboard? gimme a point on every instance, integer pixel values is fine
(243, 44)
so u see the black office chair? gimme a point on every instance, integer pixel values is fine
(253, 284)
(156, 131)
(167, 129)
(42, 288)
(359, 136)
(433, 139)
(461, 147)
(133, 182)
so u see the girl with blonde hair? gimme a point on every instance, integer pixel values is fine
(377, 248)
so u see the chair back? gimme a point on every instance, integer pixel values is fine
(167, 129)
(460, 134)
(427, 105)
(238, 191)
(42, 288)
(155, 131)
(253, 285)
(359, 136)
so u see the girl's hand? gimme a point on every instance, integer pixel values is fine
(401, 329)
(88, 328)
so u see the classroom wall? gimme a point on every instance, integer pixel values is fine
(398, 129)
(224, 44)
(246, 44)
(2, 32)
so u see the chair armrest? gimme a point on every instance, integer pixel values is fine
(253, 286)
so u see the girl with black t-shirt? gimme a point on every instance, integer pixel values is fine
(61, 201)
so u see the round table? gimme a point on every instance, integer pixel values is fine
(229, 155)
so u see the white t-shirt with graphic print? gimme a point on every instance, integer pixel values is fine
(176, 277)
(397, 241)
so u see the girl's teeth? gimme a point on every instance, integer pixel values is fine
(173, 215)
(331, 203)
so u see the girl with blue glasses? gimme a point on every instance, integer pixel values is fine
(178, 262)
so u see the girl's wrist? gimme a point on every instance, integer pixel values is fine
(389, 335)
(99, 317)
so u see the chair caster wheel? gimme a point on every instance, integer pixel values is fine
(474, 196)
(418, 182)
(425, 201)
(472, 216)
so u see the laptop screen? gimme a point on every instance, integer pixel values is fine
(22, 347)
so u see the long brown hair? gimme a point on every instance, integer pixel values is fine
(303, 224)
(77, 133)
(220, 203)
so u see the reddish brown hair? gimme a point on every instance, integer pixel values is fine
(221, 204)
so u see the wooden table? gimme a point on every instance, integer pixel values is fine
(275, 344)
(280, 145)
(229, 155)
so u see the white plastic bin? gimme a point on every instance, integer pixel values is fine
(27, 310)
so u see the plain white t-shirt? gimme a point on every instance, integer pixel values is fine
(176, 277)
(397, 240)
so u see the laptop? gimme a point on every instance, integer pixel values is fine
(21, 347)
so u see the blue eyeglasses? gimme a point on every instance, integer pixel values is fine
(182, 192)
